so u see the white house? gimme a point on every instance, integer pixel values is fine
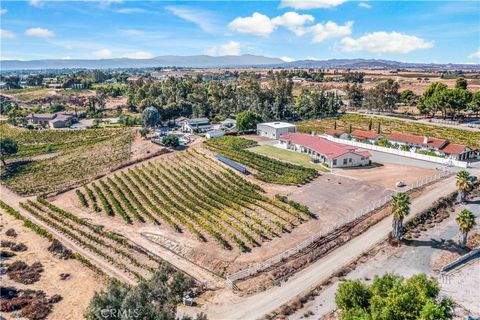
(275, 129)
(370, 136)
(214, 134)
(333, 154)
(196, 125)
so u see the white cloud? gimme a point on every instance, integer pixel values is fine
(364, 5)
(3, 11)
(293, 22)
(257, 24)
(39, 32)
(231, 48)
(67, 58)
(287, 59)
(138, 55)
(384, 42)
(6, 34)
(475, 55)
(131, 10)
(102, 53)
(312, 58)
(311, 4)
(104, 4)
(204, 19)
(36, 3)
(329, 30)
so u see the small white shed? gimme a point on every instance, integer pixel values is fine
(214, 134)
(274, 130)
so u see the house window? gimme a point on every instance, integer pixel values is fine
(345, 161)
(334, 162)
(350, 160)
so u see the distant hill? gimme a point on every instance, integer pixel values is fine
(376, 64)
(199, 61)
(205, 61)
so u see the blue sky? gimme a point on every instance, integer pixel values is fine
(414, 31)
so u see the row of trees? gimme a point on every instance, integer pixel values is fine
(217, 99)
(465, 219)
(437, 98)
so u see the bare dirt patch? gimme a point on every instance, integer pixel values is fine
(388, 174)
(76, 291)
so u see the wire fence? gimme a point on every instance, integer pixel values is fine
(230, 279)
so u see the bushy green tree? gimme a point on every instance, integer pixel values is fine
(247, 120)
(8, 147)
(150, 117)
(392, 297)
(171, 140)
(461, 83)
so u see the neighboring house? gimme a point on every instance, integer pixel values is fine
(78, 86)
(337, 133)
(228, 123)
(180, 120)
(3, 85)
(274, 130)
(51, 120)
(417, 142)
(333, 154)
(55, 85)
(439, 146)
(196, 125)
(214, 134)
(458, 152)
(363, 136)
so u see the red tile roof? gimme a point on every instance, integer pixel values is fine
(332, 132)
(453, 148)
(420, 140)
(323, 146)
(365, 134)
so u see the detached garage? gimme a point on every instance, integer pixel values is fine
(274, 130)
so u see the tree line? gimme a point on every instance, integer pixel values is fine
(193, 97)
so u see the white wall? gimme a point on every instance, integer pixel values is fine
(409, 154)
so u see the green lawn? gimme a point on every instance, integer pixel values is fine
(288, 156)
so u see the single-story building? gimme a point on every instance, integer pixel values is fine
(196, 125)
(333, 154)
(275, 129)
(417, 142)
(228, 123)
(362, 136)
(337, 133)
(51, 120)
(441, 147)
(214, 134)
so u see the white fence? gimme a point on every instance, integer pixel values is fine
(409, 154)
(314, 238)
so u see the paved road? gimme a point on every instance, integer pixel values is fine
(254, 307)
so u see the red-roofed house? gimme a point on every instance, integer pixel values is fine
(439, 146)
(335, 155)
(370, 136)
(337, 133)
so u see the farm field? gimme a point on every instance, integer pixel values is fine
(266, 168)
(77, 161)
(191, 193)
(288, 156)
(471, 139)
(76, 290)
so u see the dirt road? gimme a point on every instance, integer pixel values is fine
(230, 306)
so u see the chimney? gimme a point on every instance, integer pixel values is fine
(425, 139)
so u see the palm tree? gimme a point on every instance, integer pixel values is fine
(464, 183)
(465, 220)
(400, 209)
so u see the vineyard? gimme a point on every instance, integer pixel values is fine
(78, 161)
(191, 192)
(36, 142)
(267, 169)
(115, 250)
(472, 139)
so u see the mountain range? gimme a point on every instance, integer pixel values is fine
(205, 61)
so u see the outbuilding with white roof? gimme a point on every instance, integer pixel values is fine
(274, 130)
